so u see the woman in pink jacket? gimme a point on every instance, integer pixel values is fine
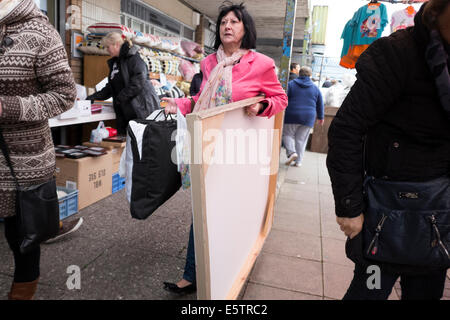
(231, 74)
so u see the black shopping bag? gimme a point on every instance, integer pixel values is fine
(155, 177)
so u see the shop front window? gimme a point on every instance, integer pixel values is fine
(148, 20)
(137, 26)
(49, 8)
(55, 11)
(160, 33)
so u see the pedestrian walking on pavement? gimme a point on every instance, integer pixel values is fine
(36, 84)
(233, 73)
(305, 106)
(389, 161)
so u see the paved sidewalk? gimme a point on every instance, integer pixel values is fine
(304, 255)
(123, 258)
(119, 257)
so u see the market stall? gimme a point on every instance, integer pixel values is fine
(171, 62)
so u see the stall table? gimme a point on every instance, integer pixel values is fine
(63, 123)
(319, 139)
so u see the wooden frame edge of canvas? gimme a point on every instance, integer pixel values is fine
(199, 202)
(201, 241)
(227, 107)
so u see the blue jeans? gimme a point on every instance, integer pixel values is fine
(189, 268)
(425, 287)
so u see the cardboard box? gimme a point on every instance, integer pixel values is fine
(90, 175)
(115, 148)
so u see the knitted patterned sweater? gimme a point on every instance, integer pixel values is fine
(36, 84)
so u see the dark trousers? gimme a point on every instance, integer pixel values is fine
(26, 265)
(189, 268)
(423, 287)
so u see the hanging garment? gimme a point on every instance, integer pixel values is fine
(347, 36)
(403, 19)
(365, 27)
(370, 21)
(349, 60)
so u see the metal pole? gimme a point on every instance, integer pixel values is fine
(306, 41)
(320, 75)
(288, 38)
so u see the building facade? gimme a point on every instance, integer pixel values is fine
(171, 18)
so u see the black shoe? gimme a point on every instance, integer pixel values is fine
(172, 287)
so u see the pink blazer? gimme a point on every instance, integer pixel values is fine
(255, 74)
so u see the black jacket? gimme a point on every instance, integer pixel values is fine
(292, 76)
(395, 104)
(327, 84)
(196, 84)
(133, 94)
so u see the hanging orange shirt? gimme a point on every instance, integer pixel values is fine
(349, 60)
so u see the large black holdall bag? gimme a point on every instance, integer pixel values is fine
(155, 177)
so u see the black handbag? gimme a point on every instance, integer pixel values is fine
(407, 223)
(155, 177)
(37, 208)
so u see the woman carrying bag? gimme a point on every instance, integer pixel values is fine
(41, 88)
(233, 73)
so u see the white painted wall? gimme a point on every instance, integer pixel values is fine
(100, 11)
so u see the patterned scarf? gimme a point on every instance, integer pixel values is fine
(437, 58)
(218, 89)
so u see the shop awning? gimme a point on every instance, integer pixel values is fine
(269, 16)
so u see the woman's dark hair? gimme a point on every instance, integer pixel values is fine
(431, 12)
(249, 40)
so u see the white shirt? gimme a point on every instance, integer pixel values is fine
(401, 20)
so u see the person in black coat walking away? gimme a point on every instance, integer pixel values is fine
(392, 135)
(128, 82)
(295, 69)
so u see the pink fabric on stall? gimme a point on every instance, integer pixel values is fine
(254, 75)
(187, 70)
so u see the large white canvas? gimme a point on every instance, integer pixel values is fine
(232, 193)
(236, 201)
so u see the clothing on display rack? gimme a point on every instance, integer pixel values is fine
(403, 19)
(365, 27)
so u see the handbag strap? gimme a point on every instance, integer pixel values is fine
(166, 116)
(5, 151)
